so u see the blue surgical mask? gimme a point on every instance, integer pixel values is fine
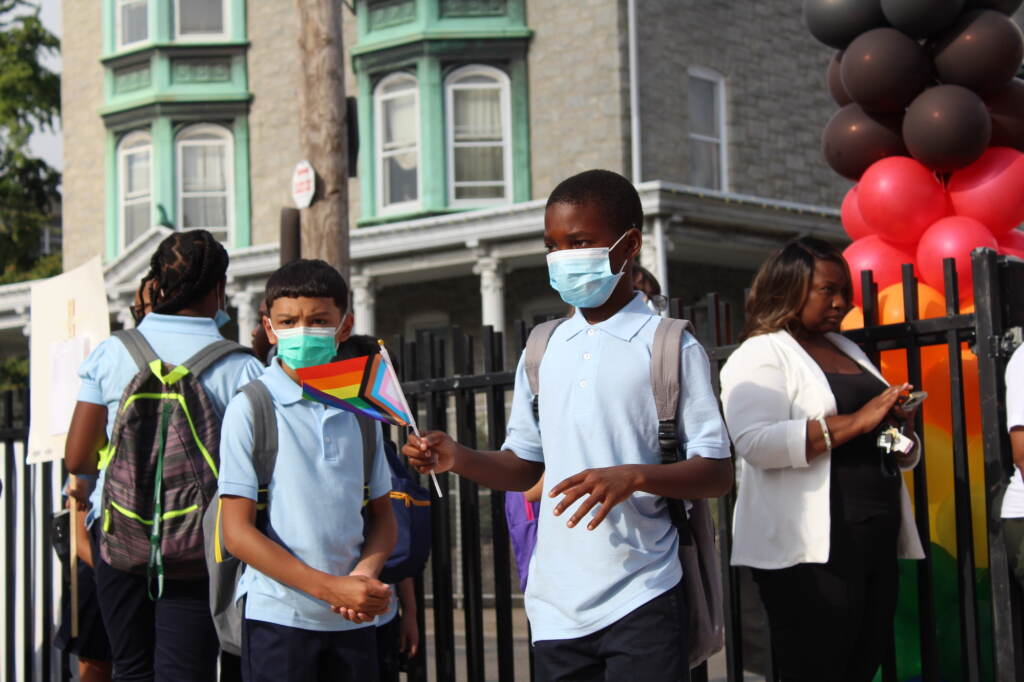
(584, 277)
(301, 347)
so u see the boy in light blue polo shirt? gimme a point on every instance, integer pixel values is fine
(604, 601)
(310, 583)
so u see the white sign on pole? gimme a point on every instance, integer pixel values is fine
(303, 184)
(69, 318)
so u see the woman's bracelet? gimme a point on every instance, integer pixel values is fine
(825, 432)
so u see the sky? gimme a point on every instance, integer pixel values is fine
(46, 144)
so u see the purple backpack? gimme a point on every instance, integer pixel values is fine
(522, 531)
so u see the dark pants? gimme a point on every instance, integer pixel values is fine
(1013, 538)
(168, 640)
(271, 653)
(649, 644)
(389, 656)
(831, 622)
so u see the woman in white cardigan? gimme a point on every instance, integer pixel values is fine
(821, 513)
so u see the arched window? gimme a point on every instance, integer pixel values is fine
(708, 147)
(135, 174)
(200, 19)
(478, 136)
(397, 121)
(131, 22)
(205, 180)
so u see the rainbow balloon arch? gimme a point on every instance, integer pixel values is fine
(931, 130)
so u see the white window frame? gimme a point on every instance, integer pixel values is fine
(722, 141)
(123, 151)
(378, 146)
(228, 140)
(202, 37)
(504, 88)
(118, 4)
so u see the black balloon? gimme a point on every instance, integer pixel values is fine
(947, 127)
(1006, 106)
(1004, 6)
(883, 70)
(837, 22)
(982, 51)
(921, 18)
(835, 81)
(855, 139)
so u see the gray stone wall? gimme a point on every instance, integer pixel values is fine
(84, 208)
(578, 98)
(777, 101)
(274, 69)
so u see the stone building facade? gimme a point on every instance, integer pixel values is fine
(179, 114)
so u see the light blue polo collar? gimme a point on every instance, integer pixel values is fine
(624, 324)
(158, 323)
(282, 388)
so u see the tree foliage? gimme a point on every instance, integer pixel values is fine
(29, 101)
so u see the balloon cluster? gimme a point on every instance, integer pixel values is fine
(931, 125)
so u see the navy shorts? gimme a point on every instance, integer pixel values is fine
(271, 653)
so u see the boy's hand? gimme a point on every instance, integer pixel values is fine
(357, 597)
(409, 635)
(608, 486)
(431, 451)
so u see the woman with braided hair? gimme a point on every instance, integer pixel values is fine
(173, 637)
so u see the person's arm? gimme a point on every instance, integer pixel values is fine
(499, 470)
(381, 535)
(534, 492)
(87, 434)
(363, 594)
(1017, 447)
(409, 637)
(845, 427)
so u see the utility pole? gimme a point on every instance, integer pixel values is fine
(323, 131)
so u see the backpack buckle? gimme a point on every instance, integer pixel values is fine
(535, 404)
(668, 440)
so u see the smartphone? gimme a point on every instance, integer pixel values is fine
(912, 400)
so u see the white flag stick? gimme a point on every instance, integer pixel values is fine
(405, 406)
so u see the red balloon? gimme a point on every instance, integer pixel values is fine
(853, 221)
(991, 190)
(1012, 244)
(952, 237)
(900, 198)
(884, 260)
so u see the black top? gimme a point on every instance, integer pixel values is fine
(859, 488)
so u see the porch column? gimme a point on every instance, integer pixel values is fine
(246, 304)
(124, 317)
(654, 252)
(364, 301)
(492, 291)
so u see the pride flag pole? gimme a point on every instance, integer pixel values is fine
(405, 406)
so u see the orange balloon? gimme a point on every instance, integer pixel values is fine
(853, 320)
(930, 303)
(936, 380)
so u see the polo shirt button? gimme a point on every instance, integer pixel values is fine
(586, 356)
(583, 384)
(327, 439)
(591, 332)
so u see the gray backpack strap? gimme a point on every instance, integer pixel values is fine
(368, 431)
(264, 434)
(665, 364)
(140, 350)
(208, 355)
(536, 344)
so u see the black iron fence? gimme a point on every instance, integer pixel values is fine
(470, 576)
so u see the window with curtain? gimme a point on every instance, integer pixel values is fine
(135, 163)
(200, 18)
(131, 17)
(707, 146)
(204, 179)
(396, 114)
(478, 136)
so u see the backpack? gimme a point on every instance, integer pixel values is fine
(161, 466)
(410, 503)
(224, 569)
(521, 518)
(698, 550)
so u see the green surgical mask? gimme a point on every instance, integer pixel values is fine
(301, 347)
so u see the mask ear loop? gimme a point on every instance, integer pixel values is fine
(624, 260)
